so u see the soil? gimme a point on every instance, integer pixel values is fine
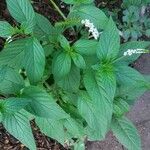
(8, 142)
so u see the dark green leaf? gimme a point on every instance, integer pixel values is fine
(78, 60)
(71, 82)
(11, 81)
(21, 10)
(13, 104)
(95, 15)
(85, 47)
(109, 43)
(101, 88)
(18, 125)
(34, 60)
(61, 64)
(13, 54)
(42, 104)
(64, 43)
(90, 112)
(43, 27)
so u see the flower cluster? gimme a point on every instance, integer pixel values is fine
(129, 52)
(9, 39)
(92, 29)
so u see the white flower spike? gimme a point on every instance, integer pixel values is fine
(92, 29)
(129, 52)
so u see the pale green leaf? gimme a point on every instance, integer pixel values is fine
(126, 133)
(79, 145)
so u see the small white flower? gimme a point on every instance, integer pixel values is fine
(9, 39)
(92, 29)
(129, 52)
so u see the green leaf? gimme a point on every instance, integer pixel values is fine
(126, 133)
(21, 10)
(90, 112)
(27, 27)
(13, 54)
(70, 82)
(52, 128)
(6, 30)
(120, 107)
(95, 15)
(78, 1)
(127, 76)
(109, 43)
(11, 81)
(132, 45)
(43, 27)
(131, 83)
(42, 104)
(61, 65)
(74, 128)
(34, 60)
(101, 86)
(79, 146)
(13, 104)
(64, 42)
(85, 47)
(78, 60)
(18, 125)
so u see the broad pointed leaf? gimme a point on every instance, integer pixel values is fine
(95, 15)
(85, 47)
(126, 133)
(18, 125)
(109, 43)
(61, 65)
(42, 104)
(34, 60)
(101, 88)
(6, 30)
(11, 81)
(21, 10)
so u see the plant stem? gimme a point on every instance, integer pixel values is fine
(57, 8)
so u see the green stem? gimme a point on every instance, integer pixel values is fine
(57, 8)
